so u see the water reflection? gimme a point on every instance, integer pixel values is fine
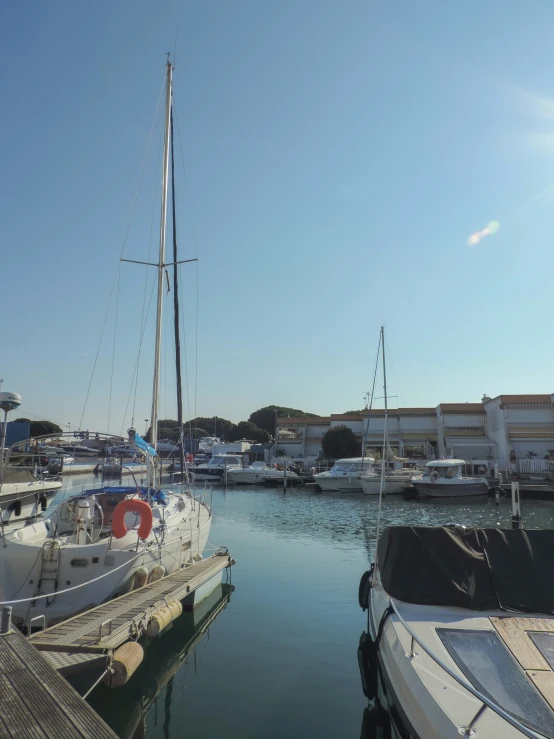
(125, 709)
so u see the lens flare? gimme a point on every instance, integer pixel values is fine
(477, 236)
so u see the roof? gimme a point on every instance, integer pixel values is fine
(316, 421)
(400, 412)
(462, 407)
(352, 460)
(444, 462)
(346, 416)
(525, 398)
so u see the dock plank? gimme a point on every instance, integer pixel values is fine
(129, 610)
(36, 702)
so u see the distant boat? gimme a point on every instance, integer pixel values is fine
(444, 478)
(257, 473)
(214, 470)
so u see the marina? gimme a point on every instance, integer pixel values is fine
(222, 515)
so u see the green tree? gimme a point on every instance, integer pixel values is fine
(215, 426)
(340, 441)
(41, 428)
(264, 418)
(249, 430)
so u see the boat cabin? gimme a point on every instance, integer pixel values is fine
(445, 469)
(352, 466)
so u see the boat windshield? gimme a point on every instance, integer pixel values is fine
(219, 461)
(447, 473)
(488, 665)
(350, 468)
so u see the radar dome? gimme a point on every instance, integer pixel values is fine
(9, 401)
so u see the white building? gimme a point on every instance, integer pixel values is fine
(480, 433)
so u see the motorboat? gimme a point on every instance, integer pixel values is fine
(460, 633)
(258, 472)
(108, 540)
(214, 470)
(346, 475)
(444, 478)
(207, 443)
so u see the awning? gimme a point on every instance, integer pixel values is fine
(469, 441)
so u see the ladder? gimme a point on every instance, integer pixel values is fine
(49, 569)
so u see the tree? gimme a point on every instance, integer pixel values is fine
(249, 430)
(340, 441)
(215, 426)
(264, 418)
(531, 454)
(41, 428)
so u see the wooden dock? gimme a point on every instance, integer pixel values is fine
(36, 702)
(96, 633)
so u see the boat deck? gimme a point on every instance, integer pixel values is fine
(99, 631)
(36, 702)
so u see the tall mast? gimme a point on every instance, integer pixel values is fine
(163, 218)
(384, 457)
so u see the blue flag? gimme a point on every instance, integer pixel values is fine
(139, 442)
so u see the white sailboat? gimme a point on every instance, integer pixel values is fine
(112, 539)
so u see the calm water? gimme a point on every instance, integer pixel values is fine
(279, 659)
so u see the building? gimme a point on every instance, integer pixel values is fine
(492, 431)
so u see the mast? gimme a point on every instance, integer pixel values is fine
(161, 269)
(384, 457)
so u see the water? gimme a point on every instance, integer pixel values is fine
(280, 658)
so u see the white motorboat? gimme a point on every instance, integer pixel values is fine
(214, 470)
(110, 539)
(257, 473)
(444, 478)
(460, 633)
(346, 475)
(207, 443)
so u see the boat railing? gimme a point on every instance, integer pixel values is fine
(485, 702)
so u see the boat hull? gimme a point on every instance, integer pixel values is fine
(450, 490)
(339, 484)
(393, 485)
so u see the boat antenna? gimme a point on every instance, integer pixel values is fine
(384, 454)
(176, 311)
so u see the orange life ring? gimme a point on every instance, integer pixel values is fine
(132, 505)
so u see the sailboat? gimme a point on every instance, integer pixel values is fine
(372, 482)
(108, 540)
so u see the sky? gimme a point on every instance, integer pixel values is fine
(332, 160)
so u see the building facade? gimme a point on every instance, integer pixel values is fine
(493, 431)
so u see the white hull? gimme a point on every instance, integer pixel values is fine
(427, 702)
(81, 564)
(23, 501)
(256, 477)
(394, 485)
(339, 484)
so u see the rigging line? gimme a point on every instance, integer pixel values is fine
(372, 395)
(391, 360)
(146, 273)
(114, 343)
(197, 271)
(135, 372)
(176, 305)
(185, 352)
(122, 252)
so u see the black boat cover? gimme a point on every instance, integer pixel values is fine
(479, 569)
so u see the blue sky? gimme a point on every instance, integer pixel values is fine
(338, 156)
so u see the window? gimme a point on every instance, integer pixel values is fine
(492, 670)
